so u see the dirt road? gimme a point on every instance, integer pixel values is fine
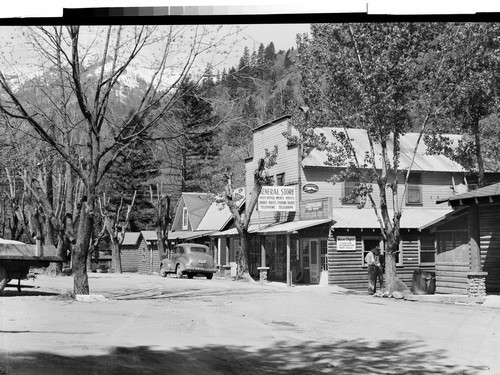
(150, 325)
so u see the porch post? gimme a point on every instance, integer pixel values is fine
(288, 273)
(263, 269)
(476, 277)
(218, 250)
(263, 254)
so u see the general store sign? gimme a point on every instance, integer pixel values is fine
(346, 243)
(278, 198)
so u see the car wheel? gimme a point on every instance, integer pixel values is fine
(190, 275)
(209, 276)
(178, 271)
(163, 272)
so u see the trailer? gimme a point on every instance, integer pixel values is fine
(17, 258)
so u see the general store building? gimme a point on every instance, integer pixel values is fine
(327, 239)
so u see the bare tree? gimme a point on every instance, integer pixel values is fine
(242, 219)
(94, 65)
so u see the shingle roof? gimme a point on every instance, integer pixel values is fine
(422, 162)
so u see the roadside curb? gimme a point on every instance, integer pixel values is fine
(446, 298)
(90, 297)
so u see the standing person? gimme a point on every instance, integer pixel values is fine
(373, 263)
(381, 270)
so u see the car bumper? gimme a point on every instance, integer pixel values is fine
(200, 269)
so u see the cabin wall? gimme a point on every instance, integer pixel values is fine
(347, 267)
(489, 218)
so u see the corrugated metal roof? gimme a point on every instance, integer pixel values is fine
(412, 218)
(422, 162)
(275, 228)
(188, 235)
(292, 226)
(218, 215)
(487, 191)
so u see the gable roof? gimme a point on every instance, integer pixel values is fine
(218, 215)
(149, 235)
(131, 238)
(359, 138)
(197, 204)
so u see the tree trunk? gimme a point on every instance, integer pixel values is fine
(116, 254)
(242, 257)
(479, 157)
(391, 273)
(81, 249)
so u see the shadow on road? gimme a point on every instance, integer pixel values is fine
(348, 357)
(26, 290)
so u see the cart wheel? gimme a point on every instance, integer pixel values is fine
(3, 277)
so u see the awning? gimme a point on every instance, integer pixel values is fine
(278, 228)
(292, 226)
(365, 218)
(444, 219)
(188, 235)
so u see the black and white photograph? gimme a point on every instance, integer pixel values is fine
(250, 189)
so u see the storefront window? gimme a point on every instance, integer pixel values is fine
(305, 254)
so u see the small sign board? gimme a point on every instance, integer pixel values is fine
(314, 206)
(278, 198)
(346, 243)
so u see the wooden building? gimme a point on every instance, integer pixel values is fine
(328, 237)
(468, 243)
(197, 217)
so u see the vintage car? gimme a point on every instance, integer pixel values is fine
(189, 259)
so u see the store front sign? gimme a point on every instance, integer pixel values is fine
(278, 198)
(346, 243)
(314, 206)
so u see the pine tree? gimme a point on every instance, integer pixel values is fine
(198, 118)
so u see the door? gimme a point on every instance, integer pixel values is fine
(314, 261)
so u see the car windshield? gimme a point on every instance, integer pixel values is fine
(198, 250)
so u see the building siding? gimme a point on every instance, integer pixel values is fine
(346, 268)
(490, 245)
(129, 258)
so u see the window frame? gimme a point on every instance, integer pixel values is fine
(280, 179)
(345, 185)
(414, 183)
(434, 241)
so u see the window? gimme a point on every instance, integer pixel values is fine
(427, 250)
(184, 218)
(349, 188)
(280, 179)
(414, 193)
(449, 240)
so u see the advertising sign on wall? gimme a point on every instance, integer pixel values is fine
(346, 243)
(277, 198)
